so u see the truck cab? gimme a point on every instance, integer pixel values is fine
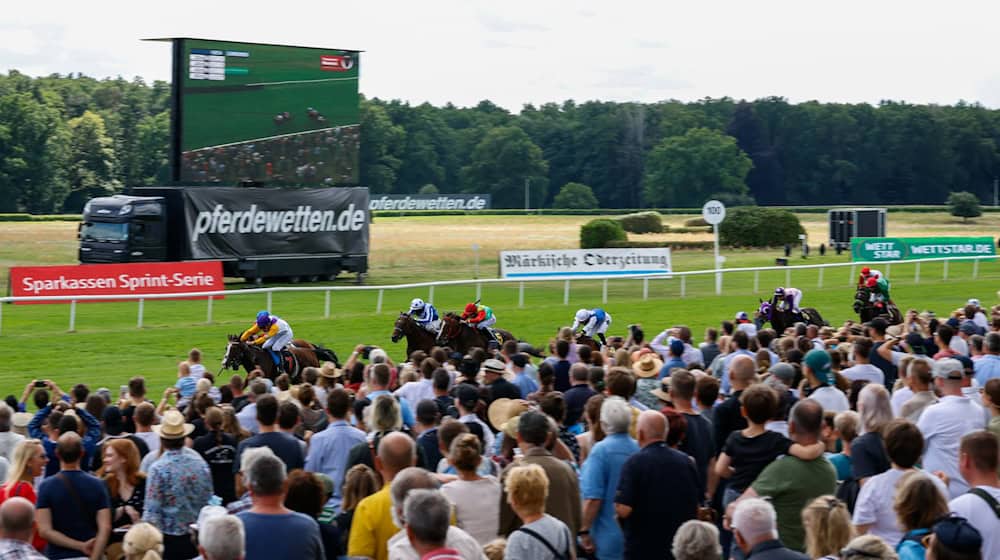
(120, 229)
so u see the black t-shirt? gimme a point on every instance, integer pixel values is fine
(576, 399)
(503, 389)
(868, 456)
(699, 444)
(286, 447)
(220, 455)
(240, 401)
(727, 419)
(428, 442)
(561, 369)
(446, 406)
(890, 371)
(661, 486)
(749, 456)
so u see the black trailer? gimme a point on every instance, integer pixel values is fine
(257, 233)
(846, 223)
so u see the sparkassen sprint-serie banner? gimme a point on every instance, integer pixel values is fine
(584, 262)
(235, 221)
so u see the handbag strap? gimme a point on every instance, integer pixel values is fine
(547, 544)
(86, 512)
(986, 497)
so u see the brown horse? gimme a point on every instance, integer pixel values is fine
(585, 340)
(297, 356)
(462, 336)
(417, 337)
(868, 310)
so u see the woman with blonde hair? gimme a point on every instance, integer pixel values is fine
(918, 504)
(143, 542)
(359, 483)
(827, 524)
(471, 491)
(527, 489)
(29, 460)
(126, 485)
(231, 425)
(867, 547)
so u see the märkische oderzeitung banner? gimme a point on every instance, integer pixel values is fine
(584, 262)
(915, 248)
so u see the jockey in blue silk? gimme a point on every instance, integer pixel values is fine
(271, 333)
(787, 298)
(595, 322)
(426, 316)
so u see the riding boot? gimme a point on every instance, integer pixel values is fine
(604, 341)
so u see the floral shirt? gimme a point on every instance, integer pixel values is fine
(178, 485)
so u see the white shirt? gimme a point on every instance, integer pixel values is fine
(866, 372)
(488, 436)
(980, 320)
(874, 504)
(943, 425)
(981, 516)
(152, 440)
(899, 398)
(749, 328)
(958, 344)
(466, 546)
(248, 418)
(416, 391)
(831, 398)
(468, 497)
(692, 355)
(9, 441)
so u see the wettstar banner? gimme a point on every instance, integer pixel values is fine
(115, 279)
(247, 222)
(430, 202)
(584, 262)
(916, 248)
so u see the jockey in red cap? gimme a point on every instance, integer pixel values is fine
(481, 317)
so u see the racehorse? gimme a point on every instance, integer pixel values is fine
(784, 318)
(585, 340)
(417, 337)
(869, 310)
(298, 355)
(462, 336)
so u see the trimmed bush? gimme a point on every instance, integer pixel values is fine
(754, 226)
(695, 222)
(642, 222)
(596, 234)
(575, 196)
(655, 244)
(698, 229)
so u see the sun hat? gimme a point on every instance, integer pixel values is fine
(663, 391)
(494, 366)
(173, 426)
(649, 365)
(329, 370)
(503, 409)
(819, 362)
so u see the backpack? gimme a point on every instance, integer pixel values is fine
(565, 555)
(988, 498)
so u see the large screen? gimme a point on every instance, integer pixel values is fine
(270, 114)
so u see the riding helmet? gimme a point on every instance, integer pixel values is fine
(417, 304)
(582, 315)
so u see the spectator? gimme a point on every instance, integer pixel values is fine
(126, 485)
(69, 503)
(142, 542)
(727, 416)
(696, 540)
(406, 482)
(17, 522)
(546, 382)
(868, 453)
(991, 401)
(594, 433)
(541, 536)
(471, 491)
(920, 381)
(988, 367)
(272, 530)
(329, 449)
(247, 415)
(554, 406)
(709, 347)
(60, 424)
(498, 387)
(442, 397)
(846, 425)
(918, 504)
(218, 449)
(739, 346)
(827, 524)
(525, 383)
(867, 547)
(653, 511)
(466, 399)
(222, 538)
(305, 495)
(600, 532)
(285, 446)
(144, 418)
(426, 513)
(820, 383)
(560, 366)
(428, 417)
(791, 483)
(313, 414)
(873, 510)
(244, 502)
(943, 424)
(534, 434)
(646, 371)
(863, 368)
(178, 485)
(28, 465)
(359, 483)
(8, 439)
(954, 538)
(621, 383)
(978, 462)
(289, 423)
(380, 376)
(577, 395)
(372, 526)
(423, 388)
(699, 443)
(755, 532)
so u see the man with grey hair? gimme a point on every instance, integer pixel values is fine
(414, 480)
(221, 538)
(8, 439)
(428, 512)
(988, 366)
(600, 533)
(271, 529)
(17, 519)
(242, 478)
(755, 532)
(791, 483)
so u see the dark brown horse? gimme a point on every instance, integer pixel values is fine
(297, 356)
(417, 337)
(869, 310)
(462, 336)
(588, 341)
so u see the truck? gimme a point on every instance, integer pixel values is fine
(258, 234)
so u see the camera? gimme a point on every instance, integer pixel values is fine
(40, 384)
(366, 351)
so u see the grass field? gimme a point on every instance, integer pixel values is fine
(107, 348)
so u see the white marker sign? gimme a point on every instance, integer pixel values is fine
(713, 212)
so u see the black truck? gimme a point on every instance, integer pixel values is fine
(257, 233)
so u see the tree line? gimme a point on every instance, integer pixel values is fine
(66, 138)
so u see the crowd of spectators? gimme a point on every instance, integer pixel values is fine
(864, 442)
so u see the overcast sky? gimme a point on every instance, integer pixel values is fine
(518, 52)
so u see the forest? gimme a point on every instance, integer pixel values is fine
(67, 138)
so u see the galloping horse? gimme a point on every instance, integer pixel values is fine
(417, 337)
(299, 354)
(585, 340)
(869, 310)
(462, 336)
(782, 319)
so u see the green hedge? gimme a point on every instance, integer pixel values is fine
(596, 234)
(665, 211)
(39, 218)
(642, 222)
(759, 227)
(695, 222)
(656, 244)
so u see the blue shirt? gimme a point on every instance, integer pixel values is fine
(178, 485)
(525, 384)
(671, 364)
(599, 481)
(328, 451)
(90, 439)
(289, 535)
(986, 368)
(404, 406)
(66, 515)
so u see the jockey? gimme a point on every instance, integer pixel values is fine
(426, 316)
(867, 273)
(879, 289)
(787, 298)
(594, 322)
(271, 333)
(481, 317)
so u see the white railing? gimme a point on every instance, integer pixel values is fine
(683, 275)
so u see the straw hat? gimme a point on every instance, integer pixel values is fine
(649, 365)
(663, 391)
(173, 426)
(19, 422)
(894, 330)
(502, 410)
(330, 371)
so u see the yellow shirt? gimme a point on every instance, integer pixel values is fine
(372, 526)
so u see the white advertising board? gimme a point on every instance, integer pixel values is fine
(584, 262)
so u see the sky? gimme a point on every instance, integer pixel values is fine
(518, 52)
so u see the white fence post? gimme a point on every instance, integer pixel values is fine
(72, 316)
(888, 270)
(645, 288)
(820, 283)
(378, 306)
(138, 324)
(604, 291)
(430, 297)
(1, 318)
(566, 293)
(788, 277)
(479, 291)
(756, 281)
(269, 301)
(853, 278)
(683, 286)
(520, 294)
(975, 268)
(945, 270)
(916, 274)
(208, 318)
(326, 305)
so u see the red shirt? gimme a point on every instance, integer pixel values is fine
(27, 491)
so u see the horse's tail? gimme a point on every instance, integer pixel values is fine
(326, 355)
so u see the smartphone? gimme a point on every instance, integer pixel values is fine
(40, 383)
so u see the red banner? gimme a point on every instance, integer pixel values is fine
(335, 63)
(116, 279)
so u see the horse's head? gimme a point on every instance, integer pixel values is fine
(765, 309)
(398, 329)
(233, 352)
(450, 329)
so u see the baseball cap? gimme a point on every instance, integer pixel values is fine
(948, 368)
(916, 343)
(968, 365)
(677, 347)
(819, 362)
(467, 395)
(742, 316)
(973, 301)
(968, 327)
(958, 535)
(783, 371)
